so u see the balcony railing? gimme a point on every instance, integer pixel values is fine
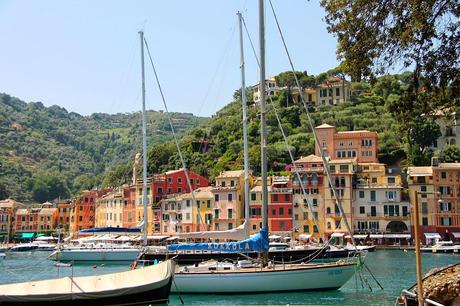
(281, 190)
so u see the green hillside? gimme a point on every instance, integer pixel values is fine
(66, 152)
(217, 145)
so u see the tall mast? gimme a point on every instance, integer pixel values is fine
(263, 127)
(144, 141)
(245, 133)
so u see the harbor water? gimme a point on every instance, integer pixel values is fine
(393, 269)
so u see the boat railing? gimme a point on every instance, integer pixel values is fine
(427, 300)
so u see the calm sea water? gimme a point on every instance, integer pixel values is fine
(394, 269)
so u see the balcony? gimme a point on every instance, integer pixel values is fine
(307, 169)
(281, 190)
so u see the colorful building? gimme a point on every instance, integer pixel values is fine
(312, 178)
(361, 145)
(82, 215)
(380, 206)
(333, 91)
(342, 172)
(64, 211)
(35, 220)
(109, 209)
(228, 200)
(129, 209)
(175, 182)
(7, 212)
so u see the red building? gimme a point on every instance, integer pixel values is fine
(173, 182)
(280, 205)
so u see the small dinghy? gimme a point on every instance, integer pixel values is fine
(148, 285)
(63, 264)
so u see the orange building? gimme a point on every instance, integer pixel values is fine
(129, 208)
(63, 218)
(82, 215)
(361, 145)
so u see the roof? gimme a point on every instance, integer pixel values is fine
(203, 192)
(234, 173)
(22, 211)
(420, 171)
(47, 211)
(449, 165)
(324, 126)
(358, 131)
(309, 159)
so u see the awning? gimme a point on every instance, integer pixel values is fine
(157, 237)
(456, 234)
(432, 236)
(27, 235)
(376, 236)
(339, 235)
(304, 236)
(357, 236)
(398, 236)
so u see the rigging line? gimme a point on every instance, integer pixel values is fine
(184, 165)
(310, 120)
(304, 193)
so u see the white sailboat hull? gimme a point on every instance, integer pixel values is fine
(94, 255)
(317, 277)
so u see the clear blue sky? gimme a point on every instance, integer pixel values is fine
(84, 55)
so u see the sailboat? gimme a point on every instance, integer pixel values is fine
(262, 276)
(149, 285)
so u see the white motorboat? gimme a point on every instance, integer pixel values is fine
(229, 278)
(140, 286)
(23, 247)
(96, 253)
(442, 247)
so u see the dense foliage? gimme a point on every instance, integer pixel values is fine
(47, 152)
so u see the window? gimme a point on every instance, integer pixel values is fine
(216, 197)
(282, 225)
(362, 210)
(230, 213)
(230, 197)
(253, 196)
(445, 206)
(169, 180)
(230, 226)
(444, 190)
(290, 211)
(337, 91)
(191, 181)
(337, 224)
(332, 168)
(305, 215)
(391, 180)
(286, 198)
(187, 216)
(281, 211)
(306, 229)
(296, 217)
(423, 188)
(424, 207)
(404, 211)
(80, 218)
(361, 194)
(373, 211)
(160, 190)
(275, 198)
(222, 184)
(315, 202)
(232, 183)
(446, 221)
(254, 227)
(373, 196)
(179, 180)
(274, 212)
(187, 203)
(81, 208)
(443, 174)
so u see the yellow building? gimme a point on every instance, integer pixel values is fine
(342, 176)
(7, 211)
(137, 190)
(313, 180)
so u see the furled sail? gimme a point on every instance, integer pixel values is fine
(238, 233)
(257, 243)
